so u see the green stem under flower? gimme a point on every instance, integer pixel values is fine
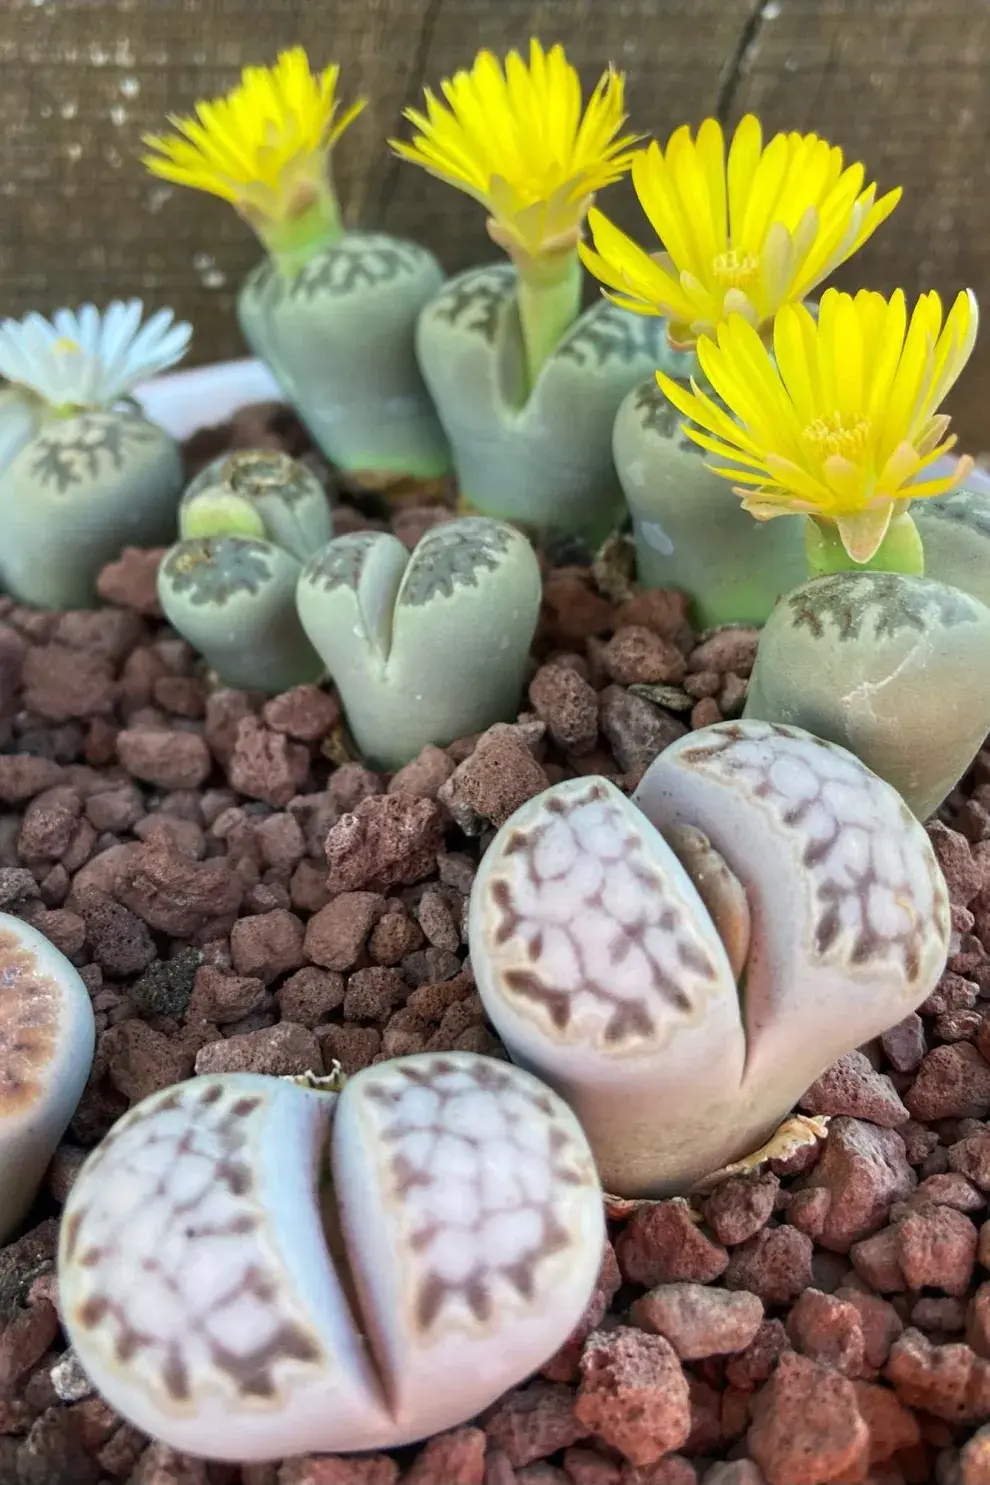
(548, 294)
(900, 550)
(299, 236)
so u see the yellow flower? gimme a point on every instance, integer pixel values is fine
(846, 420)
(517, 142)
(743, 238)
(264, 145)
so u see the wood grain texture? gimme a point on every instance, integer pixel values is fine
(900, 84)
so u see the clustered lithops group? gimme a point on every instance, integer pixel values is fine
(253, 1267)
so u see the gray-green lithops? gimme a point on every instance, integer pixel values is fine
(690, 528)
(338, 336)
(250, 1268)
(81, 490)
(955, 533)
(423, 648)
(606, 974)
(47, 1037)
(262, 493)
(890, 666)
(543, 461)
(234, 599)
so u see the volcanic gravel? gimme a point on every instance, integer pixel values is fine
(241, 893)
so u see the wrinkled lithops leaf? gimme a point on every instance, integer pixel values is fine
(46, 1050)
(473, 1214)
(258, 492)
(195, 1280)
(423, 648)
(850, 912)
(599, 965)
(242, 1284)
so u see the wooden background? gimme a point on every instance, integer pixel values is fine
(901, 84)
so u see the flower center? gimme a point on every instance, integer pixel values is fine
(65, 346)
(736, 270)
(832, 434)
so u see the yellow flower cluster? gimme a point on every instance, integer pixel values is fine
(836, 418)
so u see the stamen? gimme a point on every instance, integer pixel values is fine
(736, 270)
(66, 346)
(832, 435)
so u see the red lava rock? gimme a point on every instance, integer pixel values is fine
(118, 940)
(265, 765)
(865, 1170)
(305, 713)
(891, 1426)
(171, 893)
(963, 875)
(372, 993)
(282, 1050)
(636, 654)
(949, 1381)
(141, 1060)
(974, 1459)
(388, 840)
(699, 1321)
(829, 1330)
(49, 825)
(61, 684)
(636, 729)
(584, 1466)
(952, 993)
(731, 647)
(741, 1205)
(673, 1469)
(336, 934)
(877, 1260)
(498, 776)
(221, 998)
(664, 610)
(267, 945)
(393, 937)
(775, 1264)
(425, 775)
(22, 775)
(946, 1189)
(226, 709)
(349, 784)
(752, 1367)
(159, 755)
(978, 1321)
(971, 1157)
(456, 1458)
(808, 1210)
(879, 1321)
(571, 611)
(353, 1047)
(310, 995)
(705, 713)
(904, 1044)
(735, 1472)
(535, 1422)
(25, 1339)
(937, 1249)
(568, 705)
(280, 840)
(943, 1316)
(953, 1082)
(662, 1244)
(131, 581)
(806, 1424)
(338, 1469)
(633, 1394)
(852, 1086)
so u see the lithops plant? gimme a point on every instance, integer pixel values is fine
(82, 473)
(332, 312)
(955, 533)
(681, 1034)
(47, 1037)
(890, 666)
(691, 531)
(261, 493)
(526, 390)
(542, 459)
(250, 1268)
(423, 648)
(234, 599)
(744, 232)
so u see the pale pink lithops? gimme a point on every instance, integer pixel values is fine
(46, 1052)
(251, 1269)
(580, 904)
(603, 972)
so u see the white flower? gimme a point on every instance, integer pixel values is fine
(85, 358)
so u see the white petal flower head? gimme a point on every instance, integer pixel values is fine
(84, 358)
